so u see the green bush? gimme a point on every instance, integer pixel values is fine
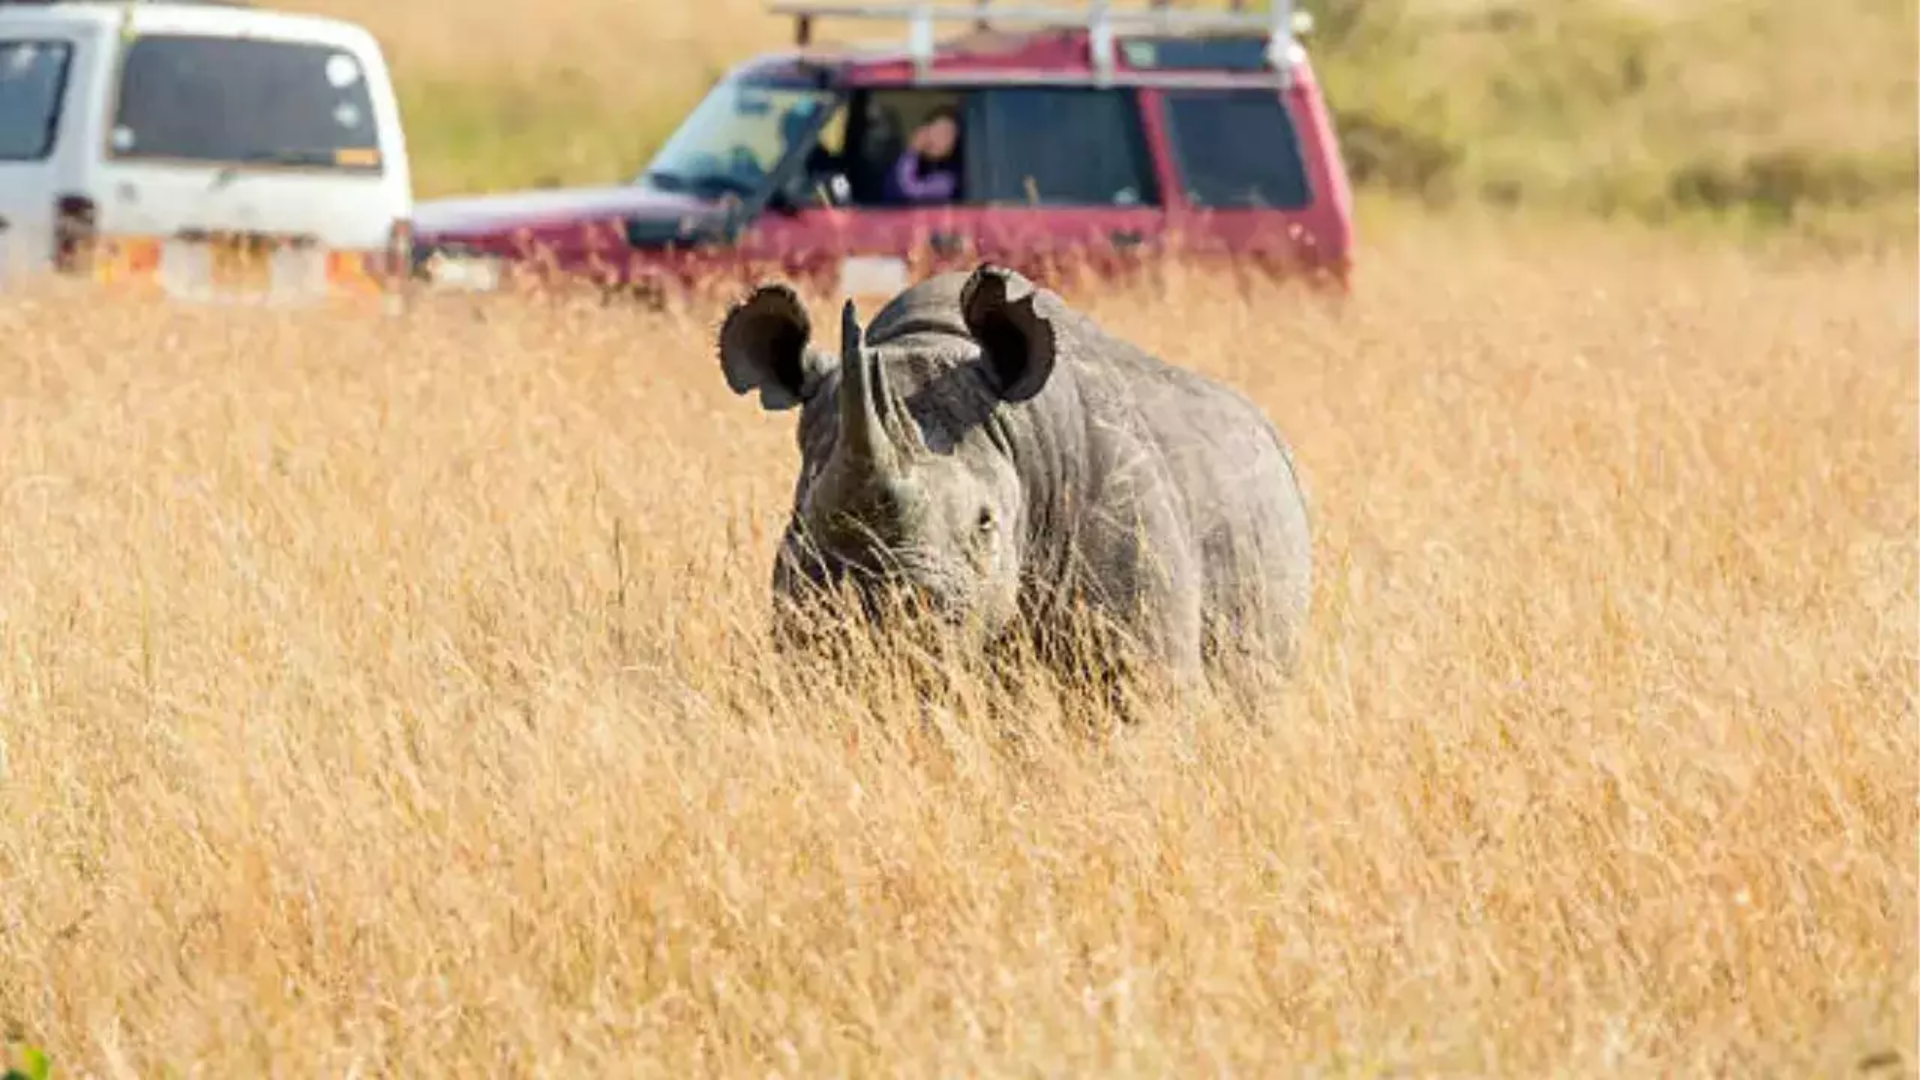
(1607, 108)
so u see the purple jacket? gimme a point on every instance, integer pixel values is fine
(906, 182)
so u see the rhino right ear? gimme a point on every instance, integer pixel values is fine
(766, 343)
(1017, 340)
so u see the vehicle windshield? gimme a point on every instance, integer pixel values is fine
(245, 102)
(734, 138)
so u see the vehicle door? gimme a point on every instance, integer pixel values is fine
(813, 223)
(1057, 176)
(39, 140)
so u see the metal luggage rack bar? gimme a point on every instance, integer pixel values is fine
(127, 3)
(1099, 19)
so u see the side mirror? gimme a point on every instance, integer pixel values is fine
(781, 201)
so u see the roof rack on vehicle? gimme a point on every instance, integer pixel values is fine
(1102, 22)
(128, 3)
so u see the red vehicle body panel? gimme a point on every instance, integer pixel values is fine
(584, 232)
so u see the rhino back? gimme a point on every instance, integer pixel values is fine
(1226, 475)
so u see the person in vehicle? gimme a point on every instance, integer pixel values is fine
(929, 169)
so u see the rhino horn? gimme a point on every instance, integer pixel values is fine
(863, 436)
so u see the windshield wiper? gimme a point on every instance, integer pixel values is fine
(295, 156)
(666, 181)
(722, 185)
(705, 185)
(230, 172)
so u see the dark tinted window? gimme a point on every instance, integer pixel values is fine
(232, 100)
(1196, 53)
(1236, 149)
(1061, 147)
(33, 76)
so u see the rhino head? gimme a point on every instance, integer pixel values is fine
(908, 488)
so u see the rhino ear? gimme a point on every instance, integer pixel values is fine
(766, 343)
(1017, 340)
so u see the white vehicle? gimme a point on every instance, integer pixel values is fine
(199, 149)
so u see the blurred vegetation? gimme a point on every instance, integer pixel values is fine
(1764, 113)
(471, 135)
(1753, 112)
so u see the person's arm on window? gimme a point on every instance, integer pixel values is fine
(906, 181)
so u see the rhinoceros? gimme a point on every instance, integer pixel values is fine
(987, 449)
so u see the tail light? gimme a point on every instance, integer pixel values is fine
(75, 224)
(399, 252)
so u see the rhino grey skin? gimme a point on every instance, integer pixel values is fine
(1007, 461)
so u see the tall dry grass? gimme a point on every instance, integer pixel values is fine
(387, 696)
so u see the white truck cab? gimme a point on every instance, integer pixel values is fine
(200, 149)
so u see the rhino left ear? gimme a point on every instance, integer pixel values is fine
(766, 343)
(1018, 342)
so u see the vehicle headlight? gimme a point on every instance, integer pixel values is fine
(463, 271)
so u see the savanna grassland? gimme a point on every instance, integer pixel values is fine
(391, 695)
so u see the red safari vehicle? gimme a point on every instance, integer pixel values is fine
(1091, 137)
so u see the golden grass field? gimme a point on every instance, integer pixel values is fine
(389, 696)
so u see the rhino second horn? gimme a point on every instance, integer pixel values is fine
(896, 421)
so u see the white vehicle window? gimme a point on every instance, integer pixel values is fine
(236, 101)
(33, 77)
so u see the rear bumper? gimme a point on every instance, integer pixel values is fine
(215, 270)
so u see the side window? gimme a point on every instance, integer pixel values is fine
(1062, 146)
(1236, 149)
(33, 79)
(886, 127)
